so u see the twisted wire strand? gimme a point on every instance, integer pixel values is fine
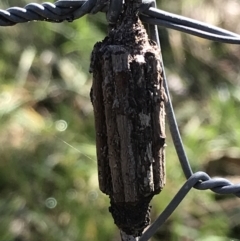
(70, 10)
(199, 180)
(61, 10)
(57, 12)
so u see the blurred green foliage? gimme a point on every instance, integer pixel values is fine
(48, 176)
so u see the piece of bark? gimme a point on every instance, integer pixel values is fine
(128, 101)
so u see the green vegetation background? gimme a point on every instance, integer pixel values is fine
(48, 177)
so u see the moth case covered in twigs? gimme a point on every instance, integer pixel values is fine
(128, 101)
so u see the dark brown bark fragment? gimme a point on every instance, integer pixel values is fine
(128, 101)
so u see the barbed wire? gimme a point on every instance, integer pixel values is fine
(65, 10)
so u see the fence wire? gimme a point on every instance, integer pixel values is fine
(65, 10)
